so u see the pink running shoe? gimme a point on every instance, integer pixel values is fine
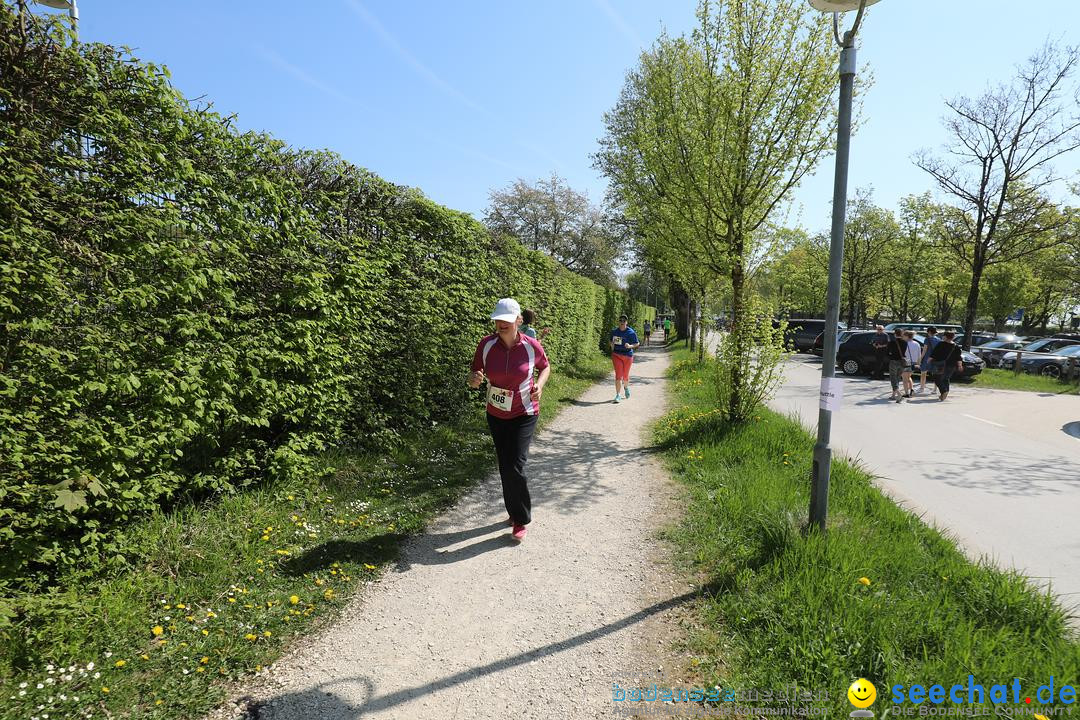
(519, 532)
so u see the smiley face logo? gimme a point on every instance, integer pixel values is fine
(862, 693)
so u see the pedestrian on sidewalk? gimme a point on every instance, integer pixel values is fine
(509, 360)
(880, 343)
(911, 362)
(647, 329)
(623, 341)
(896, 351)
(925, 363)
(667, 329)
(948, 359)
(528, 317)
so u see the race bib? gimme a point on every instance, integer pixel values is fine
(500, 398)
(616, 340)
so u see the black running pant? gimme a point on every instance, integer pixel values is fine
(512, 438)
(943, 377)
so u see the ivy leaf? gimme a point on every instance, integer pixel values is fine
(70, 500)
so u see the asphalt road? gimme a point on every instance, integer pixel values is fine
(993, 467)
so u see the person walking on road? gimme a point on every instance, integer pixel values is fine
(896, 351)
(925, 362)
(509, 360)
(667, 329)
(948, 359)
(623, 340)
(911, 362)
(528, 317)
(647, 329)
(880, 343)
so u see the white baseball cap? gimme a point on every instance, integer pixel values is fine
(506, 310)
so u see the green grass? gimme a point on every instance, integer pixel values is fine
(782, 606)
(231, 583)
(1008, 380)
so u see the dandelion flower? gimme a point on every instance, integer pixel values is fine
(266, 633)
(157, 630)
(181, 606)
(144, 656)
(121, 663)
(294, 599)
(369, 567)
(200, 669)
(105, 690)
(250, 636)
(204, 659)
(864, 580)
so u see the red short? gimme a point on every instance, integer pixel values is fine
(622, 365)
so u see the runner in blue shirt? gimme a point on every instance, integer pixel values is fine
(623, 340)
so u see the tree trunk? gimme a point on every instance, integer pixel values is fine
(972, 303)
(738, 336)
(692, 336)
(702, 329)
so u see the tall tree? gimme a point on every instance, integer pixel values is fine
(552, 217)
(869, 235)
(998, 165)
(714, 130)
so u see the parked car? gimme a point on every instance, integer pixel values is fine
(993, 351)
(920, 327)
(978, 338)
(856, 357)
(801, 332)
(819, 341)
(1051, 365)
(1042, 345)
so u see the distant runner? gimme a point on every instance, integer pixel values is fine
(647, 329)
(623, 341)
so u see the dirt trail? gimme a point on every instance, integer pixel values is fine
(472, 625)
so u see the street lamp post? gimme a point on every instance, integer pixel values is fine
(71, 6)
(819, 489)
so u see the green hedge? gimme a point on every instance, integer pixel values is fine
(186, 310)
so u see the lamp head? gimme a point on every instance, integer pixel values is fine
(58, 4)
(838, 5)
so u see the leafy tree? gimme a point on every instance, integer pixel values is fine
(870, 235)
(1006, 288)
(914, 260)
(997, 170)
(554, 218)
(712, 132)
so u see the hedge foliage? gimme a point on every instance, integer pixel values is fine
(186, 309)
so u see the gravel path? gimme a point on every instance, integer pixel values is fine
(472, 625)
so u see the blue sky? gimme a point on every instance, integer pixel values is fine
(459, 98)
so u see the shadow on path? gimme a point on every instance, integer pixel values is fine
(320, 702)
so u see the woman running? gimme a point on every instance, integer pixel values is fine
(509, 361)
(623, 341)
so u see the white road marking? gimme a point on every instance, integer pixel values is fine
(988, 422)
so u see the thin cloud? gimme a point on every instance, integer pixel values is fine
(303, 76)
(624, 27)
(421, 69)
(431, 77)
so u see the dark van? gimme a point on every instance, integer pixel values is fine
(801, 333)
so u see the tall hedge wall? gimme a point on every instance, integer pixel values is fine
(187, 309)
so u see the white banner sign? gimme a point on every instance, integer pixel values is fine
(832, 393)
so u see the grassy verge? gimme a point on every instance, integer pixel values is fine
(880, 596)
(207, 595)
(1008, 380)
